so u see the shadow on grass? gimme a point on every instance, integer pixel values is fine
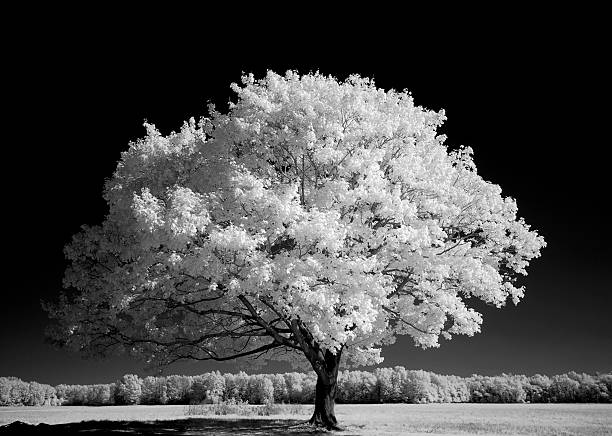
(193, 426)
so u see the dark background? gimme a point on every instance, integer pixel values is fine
(529, 98)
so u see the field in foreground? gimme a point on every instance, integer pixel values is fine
(366, 419)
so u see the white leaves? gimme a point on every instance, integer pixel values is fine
(187, 213)
(234, 285)
(337, 201)
(233, 239)
(320, 230)
(149, 210)
(364, 356)
(182, 215)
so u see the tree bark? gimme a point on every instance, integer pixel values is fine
(325, 396)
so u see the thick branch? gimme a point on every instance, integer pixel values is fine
(224, 358)
(269, 328)
(310, 349)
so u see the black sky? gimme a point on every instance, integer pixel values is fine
(529, 100)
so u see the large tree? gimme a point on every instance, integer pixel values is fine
(316, 217)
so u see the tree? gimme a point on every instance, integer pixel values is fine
(177, 389)
(98, 395)
(208, 387)
(316, 217)
(128, 389)
(281, 394)
(154, 390)
(13, 391)
(261, 390)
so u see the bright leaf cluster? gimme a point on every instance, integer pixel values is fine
(314, 212)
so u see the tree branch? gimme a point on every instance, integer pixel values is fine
(399, 318)
(270, 329)
(224, 358)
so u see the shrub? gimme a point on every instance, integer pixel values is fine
(235, 407)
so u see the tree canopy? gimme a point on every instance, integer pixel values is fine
(316, 216)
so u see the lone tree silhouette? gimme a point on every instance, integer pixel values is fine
(317, 218)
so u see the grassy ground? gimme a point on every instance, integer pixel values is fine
(367, 419)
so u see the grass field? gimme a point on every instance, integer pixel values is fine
(367, 419)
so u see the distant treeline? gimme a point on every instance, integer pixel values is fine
(383, 385)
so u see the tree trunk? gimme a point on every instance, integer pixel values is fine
(324, 405)
(325, 397)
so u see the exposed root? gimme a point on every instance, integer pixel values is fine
(325, 422)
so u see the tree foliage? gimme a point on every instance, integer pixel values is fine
(383, 385)
(128, 390)
(316, 216)
(154, 390)
(16, 392)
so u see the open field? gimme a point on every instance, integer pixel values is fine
(366, 419)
